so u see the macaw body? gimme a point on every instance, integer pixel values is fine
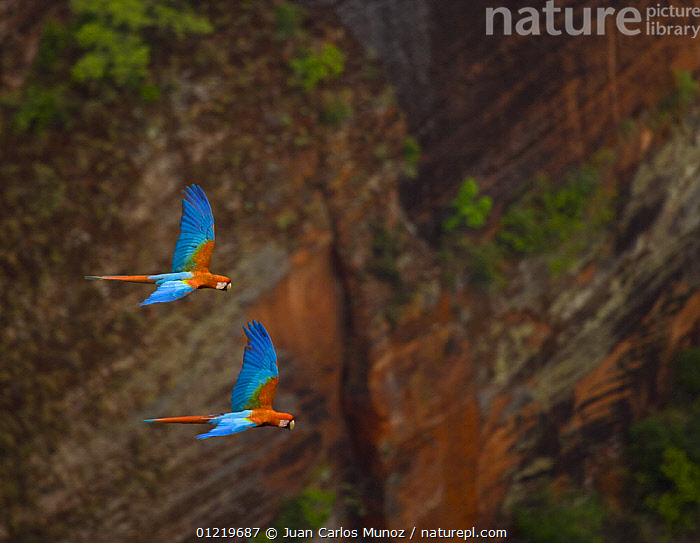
(192, 256)
(196, 280)
(252, 395)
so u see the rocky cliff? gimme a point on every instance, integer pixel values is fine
(483, 395)
(419, 396)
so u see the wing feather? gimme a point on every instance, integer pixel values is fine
(168, 291)
(257, 382)
(196, 242)
(229, 423)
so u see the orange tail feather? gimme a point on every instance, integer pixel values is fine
(195, 419)
(129, 278)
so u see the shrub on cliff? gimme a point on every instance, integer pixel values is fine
(308, 510)
(672, 109)
(111, 36)
(556, 222)
(686, 376)
(664, 453)
(288, 18)
(468, 208)
(679, 506)
(549, 216)
(314, 67)
(411, 157)
(573, 517)
(105, 46)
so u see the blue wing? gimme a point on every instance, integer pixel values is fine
(229, 423)
(168, 291)
(257, 381)
(196, 231)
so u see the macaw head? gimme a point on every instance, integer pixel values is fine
(287, 423)
(223, 283)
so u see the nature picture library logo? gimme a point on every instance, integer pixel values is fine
(656, 20)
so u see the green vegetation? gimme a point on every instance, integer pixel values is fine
(573, 517)
(383, 264)
(469, 210)
(547, 217)
(411, 157)
(664, 453)
(57, 43)
(385, 252)
(479, 260)
(484, 263)
(672, 108)
(649, 439)
(111, 36)
(686, 90)
(313, 68)
(288, 19)
(663, 493)
(686, 87)
(686, 375)
(149, 93)
(556, 223)
(627, 128)
(310, 509)
(352, 500)
(337, 108)
(41, 107)
(46, 97)
(680, 505)
(105, 44)
(669, 111)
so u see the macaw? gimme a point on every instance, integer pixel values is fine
(193, 249)
(252, 395)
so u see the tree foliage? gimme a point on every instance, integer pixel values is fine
(679, 506)
(550, 216)
(315, 67)
(573, 517)
(106, 45)
(664, 452)
(308, 510)
(469, 209)
(111, 36)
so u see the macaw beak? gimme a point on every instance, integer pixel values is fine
(291, 424)
(228, 286)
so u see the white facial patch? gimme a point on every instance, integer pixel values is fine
(283, 423)
(221, 286)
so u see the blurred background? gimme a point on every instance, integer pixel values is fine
(477, 257)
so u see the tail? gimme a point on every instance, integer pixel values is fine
(129, 278)
(196, 419)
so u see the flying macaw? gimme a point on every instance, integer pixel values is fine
(252, 395)
(192, 255)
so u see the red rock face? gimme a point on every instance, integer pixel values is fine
(503, 108)
(551, 399)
